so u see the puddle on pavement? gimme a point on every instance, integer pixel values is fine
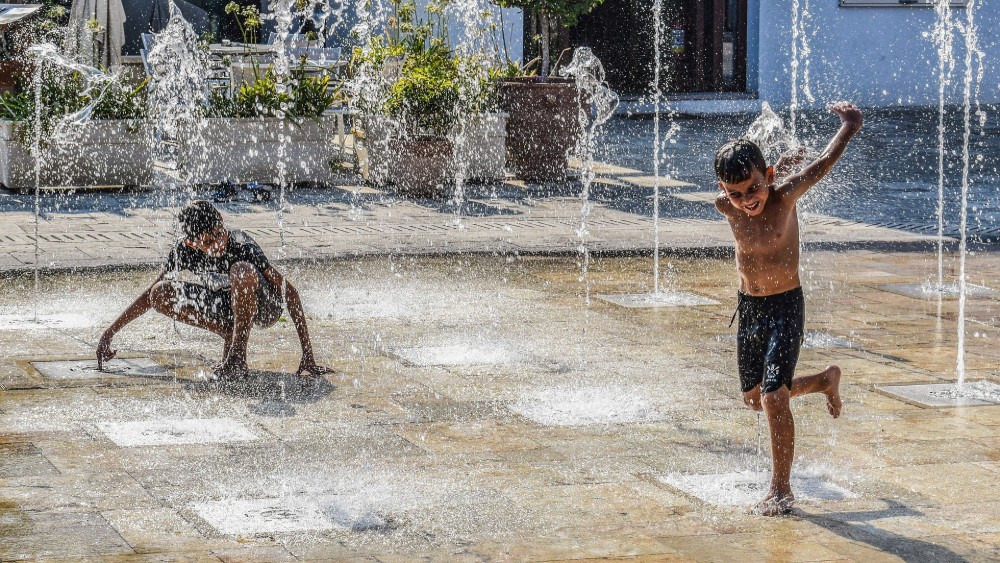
(176, 432)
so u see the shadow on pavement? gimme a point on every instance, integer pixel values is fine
(278, 392)
(856, 526)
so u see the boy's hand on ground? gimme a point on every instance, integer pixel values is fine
(849, 114)
(308, 366)
(104, 351)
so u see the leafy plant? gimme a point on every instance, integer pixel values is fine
(307, 98)
(551, 14)
(65, 93)
(247, 19)
(263, 95)
(433, 85)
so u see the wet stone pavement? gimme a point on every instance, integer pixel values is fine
(93, 230)
(481, 409)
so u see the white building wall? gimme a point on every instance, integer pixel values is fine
(462, 14)
(871, 56)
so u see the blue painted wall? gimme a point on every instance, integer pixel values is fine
(872, 56)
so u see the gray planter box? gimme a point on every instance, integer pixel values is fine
(483, 152)
(95, 153)
(246, 150)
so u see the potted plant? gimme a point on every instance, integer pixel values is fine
(89, 136)
(407, 93)
(263, 117)
(543, 124)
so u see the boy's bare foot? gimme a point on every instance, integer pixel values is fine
(774, 505)
(832, 391)
(231, 369)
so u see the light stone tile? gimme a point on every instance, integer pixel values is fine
(770, 545)
(937, 482)
(77, 492)
(50, 535)
(161, 530)
(22, 459)
(482, 436)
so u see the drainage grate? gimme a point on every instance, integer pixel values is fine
(747, 487)
(942, 395)
(87, 369)
(176, 432)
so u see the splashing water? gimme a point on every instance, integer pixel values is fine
(43, 54)
(944, 38)
(971, 83)
(769, 133)
(596, 96)
(178, 96)
(657, 96)
(800, 58)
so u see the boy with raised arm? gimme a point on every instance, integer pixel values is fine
(771, 306)
(240, 289)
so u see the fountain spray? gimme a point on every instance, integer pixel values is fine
(943, 36)
(657, 95)
(971, 81)
(593, 91)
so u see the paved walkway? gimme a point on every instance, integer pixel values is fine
(94, 230)
(481, 411)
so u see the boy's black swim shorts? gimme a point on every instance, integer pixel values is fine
(769, 337)
(217, 305)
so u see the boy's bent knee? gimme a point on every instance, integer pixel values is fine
(163, 296)
(243, 273)
(752, 399)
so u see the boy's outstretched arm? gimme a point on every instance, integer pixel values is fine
(298, 315)
(850, 119)
(131, 313)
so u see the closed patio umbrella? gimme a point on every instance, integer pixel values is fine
(96, 32)
(151, 16)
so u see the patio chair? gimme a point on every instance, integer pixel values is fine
(294, 39)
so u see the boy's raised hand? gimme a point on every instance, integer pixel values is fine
(849, 114)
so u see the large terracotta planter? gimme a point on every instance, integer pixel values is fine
(244, 150)
(95, 153)
(421, 167)
(543, 126)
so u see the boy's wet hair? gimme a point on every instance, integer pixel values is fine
(736, 160)
(197, 218)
